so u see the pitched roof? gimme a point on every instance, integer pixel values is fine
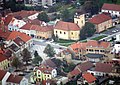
(14, 79)
(19, 41)
(89, 77)
(8, 19)
(27, 26)
(94, 43)
(103, 67)
(35, 22)
(2, 57)
(2, 74)
(78, 45)
(4, 34)
(67, 26)
(100, 18)
(15, 34)
(75, 72)
(84, 66)
(113, 7)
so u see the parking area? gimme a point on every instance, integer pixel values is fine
(112, 31)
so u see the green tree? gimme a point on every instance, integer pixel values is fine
(16, 63)
(43, 17)
(49, 50)
(87, 31)
(26, 56)
(55, 38)
(65, 15)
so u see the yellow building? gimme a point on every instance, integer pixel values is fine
(67, 30)
(4, 62)
(43, 73)
(102, 22)
(44, 32)
(79, 19)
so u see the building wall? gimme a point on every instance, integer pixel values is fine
(34, 16)
(103, 26)
(24, 81)
(45, 35)
(4, 64)
(47, 2)
(68, 35)
(114, 13)
(80, 20)
(5, 78)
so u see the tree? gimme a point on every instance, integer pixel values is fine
(26, 56)
(16, 63)
(37, 59)
(65, 15)
(87, 31)
(55, 38)
(49, 50)
(43, 17)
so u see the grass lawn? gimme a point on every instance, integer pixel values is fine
(99, 37)
(65, 42)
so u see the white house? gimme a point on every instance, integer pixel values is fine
(16, 80)
(116, 48)
(34, 16)
(113, 9)
(48, 2)
(15, 24)
(3, 77)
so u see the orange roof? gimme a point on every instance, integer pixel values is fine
(26, 26)
(2, 74)
(8, 19)
(94, 43)
(2, 57)
(113, 7)
(75, 72)
(100, 18)
(14, 79)
(67, 26)
(15, 34)
(89, 77)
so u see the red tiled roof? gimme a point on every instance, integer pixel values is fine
(8, 19)
(66, 26)
(15, 34)
(2, 74)
(4, 34)
(94, 43)
(103, 67)
(100, 18)
(113, 7)
(14, 79)
(89, 77)
(2, 57)
(26, 26)
(84, 66)
(75, 72)
(77, 46)
(19, 41)
(45, 69)
(35, 22)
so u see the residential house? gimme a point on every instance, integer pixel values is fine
(78, 48)
(101, 21)
(15, 24)
(43, 73)
(102, 69)
(116, 48)
(8, 19)
(88, 78)
(3, 77)
(48, 2)
(16, 80)
(67, 30)
(4, 62)
(79, 19)
(113, 9)
(98, 47)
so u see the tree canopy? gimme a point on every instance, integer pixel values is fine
(16, 63)
(43, 17)
(87, 31)
(65, 15)
(26, 56)
(49, 50)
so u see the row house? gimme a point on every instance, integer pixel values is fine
(113, 9)
(43, 73)
(93, 47)
(36, 31)
(7, 78)
(67, 30)
(101, 21)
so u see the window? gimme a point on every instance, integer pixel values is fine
(77, 22)
(82, 21)
(64, 32)
(56, 31)
(60, 32)
(72, 33)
